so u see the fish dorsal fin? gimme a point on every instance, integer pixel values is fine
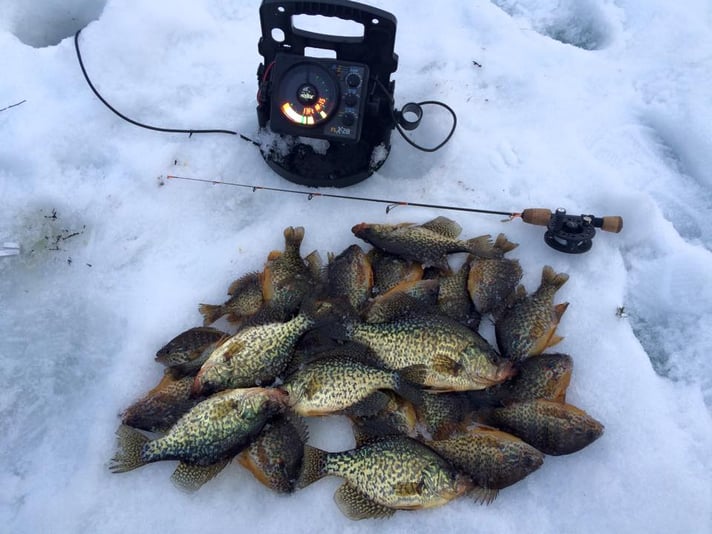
(298, 424)
(190, 477)
(444, 226)
(244, 282)
(357, 505)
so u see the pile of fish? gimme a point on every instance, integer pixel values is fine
(387, 337)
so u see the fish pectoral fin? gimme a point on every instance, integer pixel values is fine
(407, 489)
(371, 405)
(190, 478)
(357, 505)
(446, 365)
(483, 495)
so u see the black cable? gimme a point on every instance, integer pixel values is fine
(419, 104)
(136, 123)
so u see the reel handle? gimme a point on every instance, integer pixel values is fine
(542, 216)
(612, 223)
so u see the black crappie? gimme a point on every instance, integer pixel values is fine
(528, 326)
(552, 427)
(454, 299)
(255, 355)
(185, 353)
(492, 458)
(389, 270)
(349, 276)
(245, 300)
(160, 408)
(544, 376)
(428, 243)
(275, 455)
(286, 280)
(207, 436)
(456, 357)
(333, 384)
(387, 474)
(492, 280)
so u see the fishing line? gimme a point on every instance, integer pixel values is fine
(391, 204)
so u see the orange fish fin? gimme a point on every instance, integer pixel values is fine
(559, 310)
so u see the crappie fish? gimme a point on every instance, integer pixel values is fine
(253, 356)
(456, 357)
(186, 353)
(286, 280)
(349, 276)
(388, 474)
(428, 243)
(205, 438)
(402, 299)
(545, 376)
(552, 427)
(245, 300)
(492, 458)
(454, 299)
(444, 413)
(275, 455)
(397, 416)
(492, 280)
(333, 384)
(161, 407)
(528, 326)
(390, 270)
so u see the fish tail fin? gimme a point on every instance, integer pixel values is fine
(482, 247)
(130, 442)
(503, 244)
(210, 313)
(408, 381)
(549, 277)
(313, 466)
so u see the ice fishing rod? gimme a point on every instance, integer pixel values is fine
(571, 234)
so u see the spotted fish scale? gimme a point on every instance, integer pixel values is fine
(427, 243)
(333, 384)
(527, 327)
(217, 427)
(396, 472)
(457, 358)
(255, 355)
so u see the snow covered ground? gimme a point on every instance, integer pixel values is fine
(601, 107)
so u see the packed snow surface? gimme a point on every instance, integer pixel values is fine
(601, 107)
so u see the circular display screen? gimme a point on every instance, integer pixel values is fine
(307, 94)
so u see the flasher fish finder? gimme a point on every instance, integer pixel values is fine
(346, 101)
